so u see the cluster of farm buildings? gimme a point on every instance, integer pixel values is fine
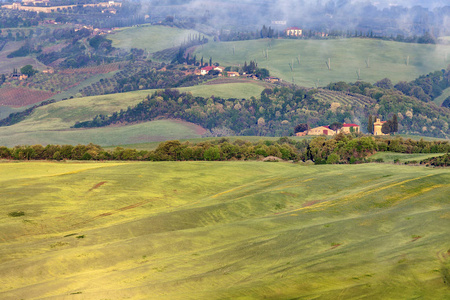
(298, 32)
(346, 128)
(206, 70)
(46, 7)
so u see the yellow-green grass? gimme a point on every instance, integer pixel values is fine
(237, 90)
(403, 157)
(227, 230)
(445, 94)
(153, 131)
(51, 124)
(151, 38)
(386, 58)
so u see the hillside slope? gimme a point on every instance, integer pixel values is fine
(51, 124)
(397, 61)
(264, 230)
(151, 38)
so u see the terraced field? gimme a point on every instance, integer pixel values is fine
(343, 98)
(224, 230)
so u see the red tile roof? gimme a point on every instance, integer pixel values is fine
(209, 68)
(350, 125)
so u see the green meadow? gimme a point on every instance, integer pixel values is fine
(445, 94)
(403, 157)
(51, 124)
(150, 38)
(223, 230)
(397, 61)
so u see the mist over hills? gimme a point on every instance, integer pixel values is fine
(382, 17)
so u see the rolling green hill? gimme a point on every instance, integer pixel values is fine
(150, 38)
(347, 56)
(173, 230)
(51, 124)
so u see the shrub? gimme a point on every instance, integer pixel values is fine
(212, 153)
(16, 213)
(333, 158)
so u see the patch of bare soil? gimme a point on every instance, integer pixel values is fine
(309, 203)
(110, 213)
(20, 96)
(97, 186)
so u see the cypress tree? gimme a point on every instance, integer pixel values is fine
(394, 123)
(370, 125)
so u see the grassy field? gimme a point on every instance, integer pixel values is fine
(154, 131)
(228, 230)
(150, 38)
(51, 124)
(445, 94)
(403, 157)
(228, 90)
(385, 58)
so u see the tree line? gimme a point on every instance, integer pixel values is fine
(142, 75)
(341, 149)
(439, 161)
(425, 88)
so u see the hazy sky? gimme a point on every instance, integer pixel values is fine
(410, 3)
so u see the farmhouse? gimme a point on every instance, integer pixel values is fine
(294, 31)
(36, 2)
(349, 128)
(48, 71)
(321, 130)
(273, 79)
(233, 74)
(377, 127)
(205, 70)
(49, 9)
(220, 69)
(45, 9)
(326, 130)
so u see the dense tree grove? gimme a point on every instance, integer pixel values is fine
(279, 110)
(342, 149)
(391, 126)
(141, 75)
(413, 114)
(74, 55)
(275, 113)
(425, 88)
(17, 18)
